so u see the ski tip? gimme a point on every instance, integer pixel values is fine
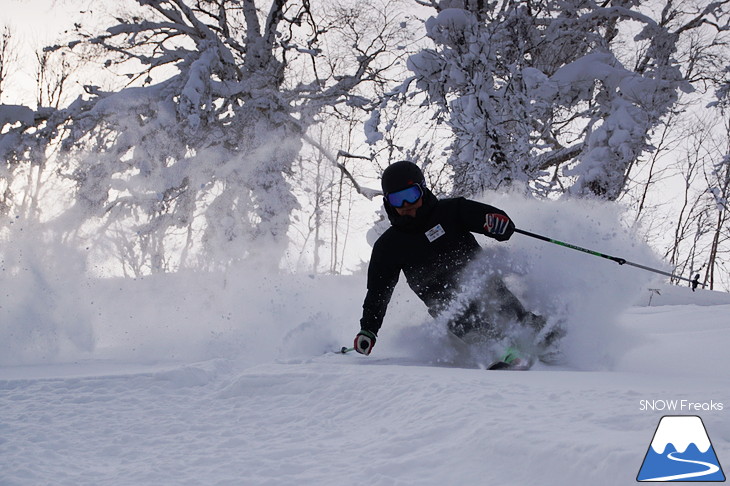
(516, 365)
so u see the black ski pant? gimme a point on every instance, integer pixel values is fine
(491, 312)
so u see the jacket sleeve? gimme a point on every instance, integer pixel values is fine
(383, 275)
(474, 216)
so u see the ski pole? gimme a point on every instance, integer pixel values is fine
(346, 350)
(621, 261)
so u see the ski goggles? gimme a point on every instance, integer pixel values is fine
(409, 195)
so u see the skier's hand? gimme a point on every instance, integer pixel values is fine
(364, 341)
(499, 226)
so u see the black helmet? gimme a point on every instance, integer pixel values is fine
(400, 175)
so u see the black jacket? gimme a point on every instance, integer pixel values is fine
(431, 263)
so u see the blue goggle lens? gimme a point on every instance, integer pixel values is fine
(408, 195)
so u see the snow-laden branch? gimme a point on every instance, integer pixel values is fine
(525, 90)
(367, 192)
(206, 148)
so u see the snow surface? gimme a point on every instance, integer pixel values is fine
(210, 379)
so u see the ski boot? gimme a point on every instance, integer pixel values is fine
(512, 359)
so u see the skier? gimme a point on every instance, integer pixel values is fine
(431, 241)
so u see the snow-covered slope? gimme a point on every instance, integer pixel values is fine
(396, 417)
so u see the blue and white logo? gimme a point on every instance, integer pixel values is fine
(681, 451)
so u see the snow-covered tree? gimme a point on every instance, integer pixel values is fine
(717, 178)
(549, 94)
(194, 152)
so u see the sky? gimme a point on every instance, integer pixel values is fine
(35, 24)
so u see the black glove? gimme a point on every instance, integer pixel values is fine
(499, 226)
(364, 341)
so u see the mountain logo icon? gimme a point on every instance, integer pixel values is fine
(681, 451)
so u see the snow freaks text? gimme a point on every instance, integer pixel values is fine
(679, 406)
